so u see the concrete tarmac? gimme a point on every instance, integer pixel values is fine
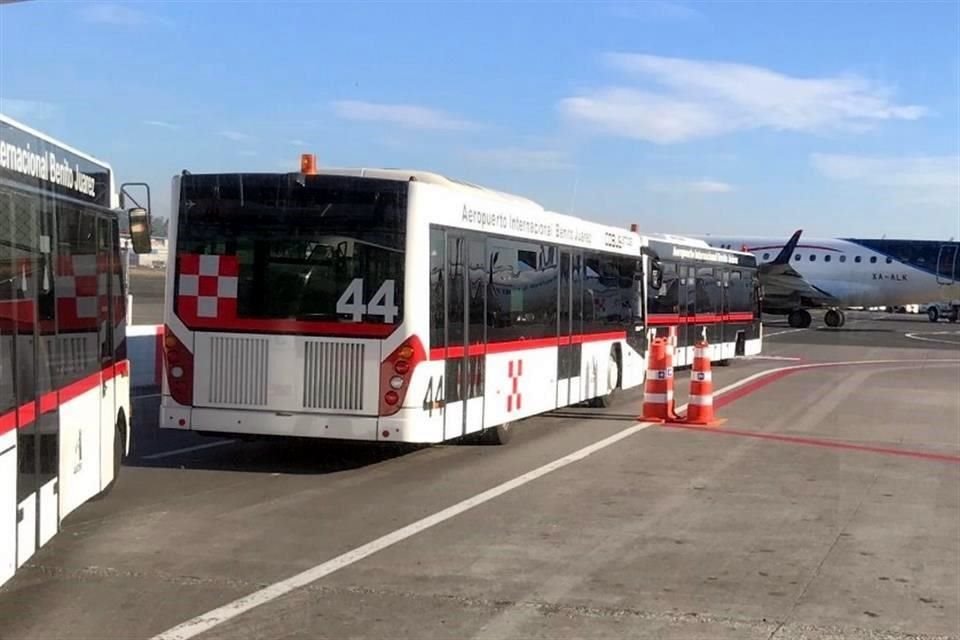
(827, 506)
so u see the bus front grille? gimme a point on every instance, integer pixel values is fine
(238, 371)
(333, 375)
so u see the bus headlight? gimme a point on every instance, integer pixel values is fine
(396, 382)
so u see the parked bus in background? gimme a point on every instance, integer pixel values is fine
(64, 375)
(402, 306)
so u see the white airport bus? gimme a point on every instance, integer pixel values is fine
(64, 374)
(401, 306)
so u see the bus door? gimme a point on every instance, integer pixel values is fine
(565, 332)
(708, 325)
(101, 457)
(728, 331)
(29, 284)
(686, 328)
(465, 315)
(948, 265)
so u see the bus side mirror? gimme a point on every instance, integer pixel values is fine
(139, 229)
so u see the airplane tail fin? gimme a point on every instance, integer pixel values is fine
(784, 256)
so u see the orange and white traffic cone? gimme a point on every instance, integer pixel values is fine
(658, 388)
(700, 403)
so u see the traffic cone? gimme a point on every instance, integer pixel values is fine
(700, 403)
(658, 388)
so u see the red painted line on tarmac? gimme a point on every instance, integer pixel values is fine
(735, 394)
(828, 444)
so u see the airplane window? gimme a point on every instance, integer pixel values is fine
(826, 258)
(873, 259)
(813, 257)
(857, 259)
(797, 257)
(889, 260)
(843, 258)
(766, 256)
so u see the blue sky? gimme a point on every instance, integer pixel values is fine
(842, 118)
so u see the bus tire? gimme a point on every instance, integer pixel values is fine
(614, 373)
(119, 437)
(498, 435)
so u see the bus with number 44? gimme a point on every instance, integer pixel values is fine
(403, 306)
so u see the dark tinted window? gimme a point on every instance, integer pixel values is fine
(813, 257)
(437, 274)
(666, 299)
(827, 258)
(843, 258)
(522, 299)
(857, 259)
(873, 259)
(329, 249)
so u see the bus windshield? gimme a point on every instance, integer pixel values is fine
(313, 248)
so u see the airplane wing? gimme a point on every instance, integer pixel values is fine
(784, 288)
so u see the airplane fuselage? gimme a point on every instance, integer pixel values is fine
(866, 272)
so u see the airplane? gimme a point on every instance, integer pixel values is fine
(837, 273)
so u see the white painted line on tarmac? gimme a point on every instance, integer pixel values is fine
(922, 335)
(786, 358)
(206, 621)
(176, 452)
(782, 333)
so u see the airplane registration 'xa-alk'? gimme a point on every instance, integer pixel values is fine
(835, 273)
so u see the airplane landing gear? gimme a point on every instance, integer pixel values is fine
(834, 318)
(799, 319)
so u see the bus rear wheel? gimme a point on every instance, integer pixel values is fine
(612, 384)
(119, 436)
(498, 435)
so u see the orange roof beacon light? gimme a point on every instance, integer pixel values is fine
(308, 164)
(634, 227)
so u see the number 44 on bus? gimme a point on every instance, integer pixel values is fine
(402, 306)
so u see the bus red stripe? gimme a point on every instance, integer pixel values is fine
(24, 415)
(440, 353)
(703, 318)
(294, 327)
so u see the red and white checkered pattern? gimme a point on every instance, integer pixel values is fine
(514, 371)
(79, 285)
(208, 287)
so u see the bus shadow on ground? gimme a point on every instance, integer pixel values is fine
(287, 456)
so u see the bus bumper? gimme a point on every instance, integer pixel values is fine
(269, 423)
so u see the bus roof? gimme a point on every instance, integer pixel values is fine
(424, 176)
(5, 119)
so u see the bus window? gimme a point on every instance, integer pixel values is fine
(666, 299)
(437, 337)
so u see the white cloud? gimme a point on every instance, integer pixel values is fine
(694, 99)
(403, 115)
(710, 186)
(236, 136)
(162, 124)
(28, 110)
(298, 143)
(704, 185)
(922, 180)
(119, 14)
(523, 159)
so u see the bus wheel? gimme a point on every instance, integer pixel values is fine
(118, 442)
(613, 382)
(933, 314)
(497, 435)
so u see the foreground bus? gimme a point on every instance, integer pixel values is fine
(64, 375)
(397, 306)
